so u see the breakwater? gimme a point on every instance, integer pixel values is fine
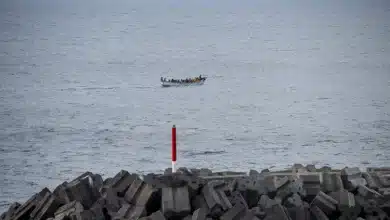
(299, 193)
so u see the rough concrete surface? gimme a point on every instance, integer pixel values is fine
(301, 193)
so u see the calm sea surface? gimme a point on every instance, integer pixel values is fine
(288, 82)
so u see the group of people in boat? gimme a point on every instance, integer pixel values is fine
(187, 80)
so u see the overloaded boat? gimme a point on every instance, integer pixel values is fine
(183, 82)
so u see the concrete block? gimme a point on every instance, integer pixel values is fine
(61, 194)
(264, 171)
(84, 215)
(317, 213)
(188, 217)
(298, 168)
(331, 182)
(82, 176)
(368, 193)
(250, 216)
(253, 173)
(293, 201)
(326, 203)
(157, 216)
(66, 210)
(199, 202)
(378, 215)
(236, 197)
(95, 181)
(273, 183)
(199, 214)
(175, 202)
(311, 191)
(371, 181)
(142, 194)
(107, 181)
(294, 186)
(154, 216)
(277, 211)
(122, 181)
(384, 191)
(128, 211)
(311, 184)
(310, 179)
(311, 168)
(11, 211)
(236, 212)
(378, 169)
(99, 209)
(111, 200)
(45, 208)
(80, 190)
(369, 206)
(258, 212)
(386, 207)
(184, 171)
(216, 200)
(266, 203)
(383, 179)
(154, 180)
(205, 172)
(352, 178)
(251, 188)
(220, 184)
(24, 211)
(173, 180)
(299, 213)
(346, 204)
(325, 169)
(351, 173)
(232, 185)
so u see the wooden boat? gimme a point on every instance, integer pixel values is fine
(182, 82)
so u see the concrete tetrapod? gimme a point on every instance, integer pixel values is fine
(299, 193)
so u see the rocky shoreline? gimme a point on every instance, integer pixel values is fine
(300, 193)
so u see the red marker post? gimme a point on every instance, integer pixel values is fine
(173, 149)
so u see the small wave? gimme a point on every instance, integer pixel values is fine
(102, 131)
(382, 124)
(121, 62)
(20, 73)
(150, 148)
(4, 204)
(101, 88)
(144, 160)
(143, 87)
(69, 89)
(327, 141)
(322, 98)
(206, 153)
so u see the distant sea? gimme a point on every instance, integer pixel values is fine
(288, 82)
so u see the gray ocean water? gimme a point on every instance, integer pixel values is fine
(288, 82)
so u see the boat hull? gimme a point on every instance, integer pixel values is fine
(181, 84)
